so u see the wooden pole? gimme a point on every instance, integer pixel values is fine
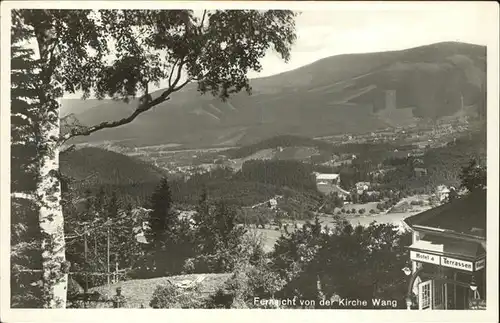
(86, 264)
(108, 254)
(86, 261)
(455, 291)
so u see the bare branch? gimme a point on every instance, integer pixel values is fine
(145, 106)
(203, 19)
(172, 72)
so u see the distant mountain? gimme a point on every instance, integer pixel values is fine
(339, 94)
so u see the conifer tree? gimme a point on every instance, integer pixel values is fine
(162, 223)
(216, 51)
(26, 237)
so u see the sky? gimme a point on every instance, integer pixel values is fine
(360, 29)
(326, 33)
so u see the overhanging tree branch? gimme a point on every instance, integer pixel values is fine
(172, 72)
(180, 65)
(203, 19)
(143, 107)
(103, 125)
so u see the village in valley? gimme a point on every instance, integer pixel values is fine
(360, 202)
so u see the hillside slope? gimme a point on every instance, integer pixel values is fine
(100, 166)
(339, 94)
(139, 292)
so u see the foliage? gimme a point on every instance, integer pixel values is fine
(259, 217)
(236, 192)
(170, 296)
(147, 46)
(331, 202)
(101, 217)
(443, 164)
(360, 262)
(290, 173)
(252, 277)
(218, 237)
(95, 166)
(26, 238)
(169, 236)
(473, 176)
(244, 286)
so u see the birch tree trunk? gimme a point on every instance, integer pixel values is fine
(48, 190)
(50, 216)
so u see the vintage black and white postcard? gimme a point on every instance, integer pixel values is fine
(222, 161)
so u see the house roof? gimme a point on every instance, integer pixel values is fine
(326, 176)
(466, 215)
(451, 247)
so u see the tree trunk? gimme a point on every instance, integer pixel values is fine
(48, 189)
(50, 217)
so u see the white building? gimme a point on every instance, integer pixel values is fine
(362, 186)
(442, 192)
(333, 179)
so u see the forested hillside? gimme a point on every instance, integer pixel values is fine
(102, 166)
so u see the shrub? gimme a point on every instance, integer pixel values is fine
(189, 266)
(348, 212)
(221, 299)
(164, 297)
(372, 211)
(74, 288)
(170, 296)
(343, 211)
(353, 210)
(361, 211)
(240, 290)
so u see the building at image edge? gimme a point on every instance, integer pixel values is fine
(448, 255)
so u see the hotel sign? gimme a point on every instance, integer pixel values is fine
(457, 263)
(424, 257)
(447, 262)
(480, 264)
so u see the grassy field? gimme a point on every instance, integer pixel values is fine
(366, 219)
(138, 292)
(271, 235)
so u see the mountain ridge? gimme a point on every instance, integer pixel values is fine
(343, 93)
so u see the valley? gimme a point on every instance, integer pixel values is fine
(379, 158)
